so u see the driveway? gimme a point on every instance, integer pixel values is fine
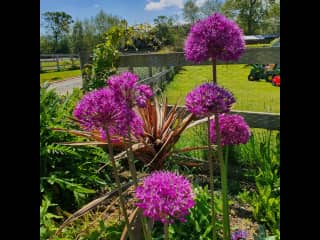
(67, 85)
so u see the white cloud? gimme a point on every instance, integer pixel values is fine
(163, 4)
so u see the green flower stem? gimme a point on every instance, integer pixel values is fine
(213, 214)
(166, 231)
(226, 157)
(116, 175)
(133, 171)
(224, 181)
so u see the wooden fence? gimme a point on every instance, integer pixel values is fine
(265, 55)
(59, 61)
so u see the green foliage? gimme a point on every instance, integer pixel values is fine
(262, 158)
(262, 235)
(110, 230)
(191, 11)
(47, 225)
(198, 225)
(144, 38)
(104, 22)
(163, 25)
(58, 24)
(77, 37)
(211, 6)
(106, 56)
(254, 17)
(46, 44)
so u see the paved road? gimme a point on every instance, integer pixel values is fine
(66, 86)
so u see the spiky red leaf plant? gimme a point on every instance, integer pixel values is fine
(163, 126)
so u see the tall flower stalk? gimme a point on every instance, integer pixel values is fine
(224, 180)
(127, 91)
(116, 175)
(205, 100)
(213, 213)
(99, 110)
(216, 38)
(227, 129)
(112, 107)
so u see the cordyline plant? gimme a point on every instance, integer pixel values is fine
(137, 128)
(214, 38)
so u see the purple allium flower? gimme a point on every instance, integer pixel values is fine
(143, 92)
(214, 37)
(209, 98)
(99, 109)
(233, 128)
(239, 234)
(126, 89)
(165, 196)
(133, 120)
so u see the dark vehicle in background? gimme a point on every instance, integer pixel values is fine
(263, 71)
(268, 72)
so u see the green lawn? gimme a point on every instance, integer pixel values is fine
(54, 76)
(259, 96)
(61, 63)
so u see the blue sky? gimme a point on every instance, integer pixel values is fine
(134, 11)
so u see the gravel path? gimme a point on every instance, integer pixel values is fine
(66, 86)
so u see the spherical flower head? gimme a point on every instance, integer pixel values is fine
(165, 196)
(239, 234)
(214, 37)
(99, 110)
(209, 98)
(143, 92)
(133, 120)
(128, 91)
(233, 128)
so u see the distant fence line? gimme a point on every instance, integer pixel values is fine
(58, 55)
(62, 61)
(265, 55)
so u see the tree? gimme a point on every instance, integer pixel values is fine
(271, 21)
(163, 28)
(103, 22)
(249, 14)
(64, 45)
(77, 37)
(191, 11)
(57, 23)
(211, 6)
(46, 44)
(90, 38)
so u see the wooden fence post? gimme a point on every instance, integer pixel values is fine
(57, 60)
(84, 59)
(72, 62)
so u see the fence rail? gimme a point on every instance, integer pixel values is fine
(60, 61)
(251, 56)
(59, 56)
